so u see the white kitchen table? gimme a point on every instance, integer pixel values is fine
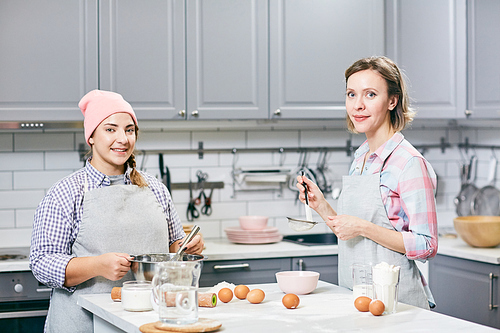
(328, 309)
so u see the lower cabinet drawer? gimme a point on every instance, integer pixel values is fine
(327, 266)
(242, 271)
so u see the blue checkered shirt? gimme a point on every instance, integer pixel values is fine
(58, 217)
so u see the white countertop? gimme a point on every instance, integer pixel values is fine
(329, 308)
(222, 249)
(459, 249)
(15, 265)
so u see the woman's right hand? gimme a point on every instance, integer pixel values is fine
(315, 197)
(113, 266)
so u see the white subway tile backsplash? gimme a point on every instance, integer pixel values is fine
(6, 181)
(272, 139)
(324, 138)
(63, 160)
(15, 237)
(219, 140)
(210, 229)
(20, 199)
(43, 141)
(7, 219)
(253, 160)
(34, 180)
(188, 160)
(21, 161)
(24, 218)
(6, 142)
(32, 162)
(163, 140)
(488, 136)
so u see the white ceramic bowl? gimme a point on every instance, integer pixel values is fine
(297, 282)
(253, 222)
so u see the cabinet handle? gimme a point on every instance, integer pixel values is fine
(492, 306)
(277, 112)
(182, 113)
(235, 266)
(194, 113)
(300, 263)
(468, 113)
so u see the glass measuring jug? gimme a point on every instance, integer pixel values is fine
(362, 284)
(175, 289)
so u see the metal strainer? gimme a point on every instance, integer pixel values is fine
(486, 201)
(301, 225)
(308, 223)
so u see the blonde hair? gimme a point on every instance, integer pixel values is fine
(402, 114)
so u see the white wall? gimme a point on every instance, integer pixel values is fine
(30, 162)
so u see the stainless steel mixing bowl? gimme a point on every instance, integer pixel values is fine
(143, 266)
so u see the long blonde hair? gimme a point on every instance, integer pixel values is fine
(402, 114)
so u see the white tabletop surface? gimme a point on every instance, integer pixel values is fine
(458, 248)
(222, 249)
(328, 309)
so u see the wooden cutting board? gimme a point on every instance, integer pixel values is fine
(202, 325)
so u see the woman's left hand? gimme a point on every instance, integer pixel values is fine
(195, 246)
(346, 226)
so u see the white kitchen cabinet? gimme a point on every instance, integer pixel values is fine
(312, 42)
(181, 59)
(226, 56)
(172, 59)
(141, 48)
(427, 39)
(483, 31)
(466, 289)
(48, 58)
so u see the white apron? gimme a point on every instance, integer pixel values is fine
(118, 218)
(361, 197)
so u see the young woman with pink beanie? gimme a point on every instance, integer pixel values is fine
(90, 222)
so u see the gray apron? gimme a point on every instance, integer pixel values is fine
(361, 197)
(119, 218)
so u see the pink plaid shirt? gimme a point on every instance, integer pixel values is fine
(407, 186)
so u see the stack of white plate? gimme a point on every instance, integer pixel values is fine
(264, 236)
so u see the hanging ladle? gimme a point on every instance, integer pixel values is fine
(308, 223)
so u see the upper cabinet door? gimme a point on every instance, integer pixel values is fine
(142, 55)
(312, 43)
(227, 47)
(428, 41)
(48, 58)
(484, 58)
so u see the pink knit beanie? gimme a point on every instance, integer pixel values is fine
(98, 105)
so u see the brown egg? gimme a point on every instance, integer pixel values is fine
(362, 303)
(241, 291)
(377, 307)
(256, 296)
(290, 301)
(225, 295)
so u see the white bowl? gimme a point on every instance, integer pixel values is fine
(297, 282)
(253, 222)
